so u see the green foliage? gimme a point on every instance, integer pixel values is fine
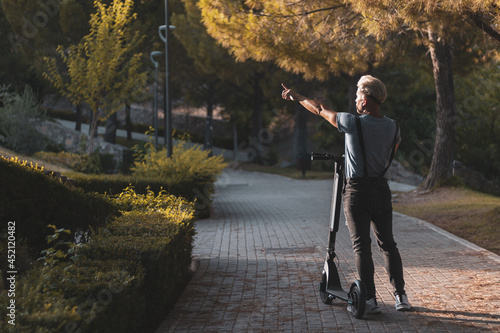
(478, 124)
(79, 163)
(189, 173)
(123, 280)
(412, 103)
(312, 38)
(104, 69)
(91, 295)
(114, 184)
(18, 118)
(34, 200)
(14, 67)
(95, 163)
(24, 163)
(185, 164)
(188, 169)
(172, 207)
(160, 244)
(61, 250)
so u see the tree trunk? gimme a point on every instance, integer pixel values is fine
(300, 131)
(111, 126)
(352, 88)
(235, 141)
(128, 122)
(78, 122)
(91, 121)
(444, 146)
(94, 121)
(165, 139)
(302, 159)
(208, 122)
(256, 131)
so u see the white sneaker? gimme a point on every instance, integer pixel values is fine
(402, 303)
(372, 306)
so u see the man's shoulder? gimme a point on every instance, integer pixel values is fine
(367, 117)
(346, 115)
(345, 121)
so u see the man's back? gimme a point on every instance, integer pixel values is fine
(378, 137)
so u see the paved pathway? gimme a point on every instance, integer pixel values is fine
(260, 257)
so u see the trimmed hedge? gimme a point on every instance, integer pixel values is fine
(123, 280)
(33, 201)
(194, 190)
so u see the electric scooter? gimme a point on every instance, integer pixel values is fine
(330, 287)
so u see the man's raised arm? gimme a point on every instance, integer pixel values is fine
(311, 105)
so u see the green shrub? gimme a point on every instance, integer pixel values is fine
(123, 280)
(91, 295)
(184, 164)
(18, 117)
(70, 160)
(176, 209)
(114, 184)
(187, 168)
(34, 200)
(162, 246)
(190, 189)
(88, 164)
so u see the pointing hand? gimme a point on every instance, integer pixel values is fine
(287, 94)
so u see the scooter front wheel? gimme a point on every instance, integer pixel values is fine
(357, 295)
(326, 297)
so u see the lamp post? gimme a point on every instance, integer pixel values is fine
(168, 111)
(155, 108)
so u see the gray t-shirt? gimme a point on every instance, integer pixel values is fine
(378, 135)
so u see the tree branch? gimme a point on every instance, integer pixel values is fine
(304, 13)
(478, 22)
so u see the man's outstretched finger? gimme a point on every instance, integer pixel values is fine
(286, 92)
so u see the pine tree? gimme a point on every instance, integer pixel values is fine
(315, 38)
(438, 25)
(321, 37)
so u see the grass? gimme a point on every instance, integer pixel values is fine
(468, 214)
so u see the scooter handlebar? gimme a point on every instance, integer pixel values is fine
(324, 156)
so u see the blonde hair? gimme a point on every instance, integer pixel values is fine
(371, 86)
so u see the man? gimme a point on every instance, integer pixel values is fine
(371, 141)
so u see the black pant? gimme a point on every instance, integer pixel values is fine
(367, 201)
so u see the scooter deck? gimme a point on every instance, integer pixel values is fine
(338, 292)
(333, 285)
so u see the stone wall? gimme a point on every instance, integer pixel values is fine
(76, 142)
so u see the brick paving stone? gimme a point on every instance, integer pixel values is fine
(261, 253)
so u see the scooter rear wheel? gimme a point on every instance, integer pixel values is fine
(357, 294)
(326, 297)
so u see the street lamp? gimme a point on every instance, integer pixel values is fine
(155, 108)
(168, 111)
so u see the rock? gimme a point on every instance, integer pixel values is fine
(474, 179)
(397, 172)
(75, 142)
